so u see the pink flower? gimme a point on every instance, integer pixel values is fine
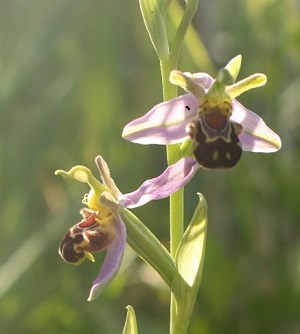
(101, 226)
(219, 127)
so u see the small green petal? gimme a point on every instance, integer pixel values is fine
(234, 66)
(130, 326)
(253, 81)
(189, 261)
(184, 81)
(105, 175)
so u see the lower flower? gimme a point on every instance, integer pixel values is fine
(102, 227)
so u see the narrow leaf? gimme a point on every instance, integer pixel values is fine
(189, 262)
(148, 247)
(130, 326)
(155, 25)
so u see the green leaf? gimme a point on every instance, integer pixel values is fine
(130, 326)
(156, 27)
(148, 247)
(189, 262)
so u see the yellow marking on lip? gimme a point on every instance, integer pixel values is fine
(215, 155)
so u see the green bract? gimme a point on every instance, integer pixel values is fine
(189, 261)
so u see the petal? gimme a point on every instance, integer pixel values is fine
(256, 135)
(112, 262)
(202, 79)
(253, 81)
(105, 175)
(172, 179)
(163, 124)
(185, 81)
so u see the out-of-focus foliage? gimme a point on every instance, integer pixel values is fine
(72, 74)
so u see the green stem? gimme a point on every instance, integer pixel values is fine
(164, 6)
(174, 153)
(185, 22)
(177, 199)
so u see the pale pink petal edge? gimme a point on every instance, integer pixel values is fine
(172, 179)
(164, 124)
(256, 135)
(112, 261)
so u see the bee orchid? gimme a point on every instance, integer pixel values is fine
(209, 117)
(101, 226)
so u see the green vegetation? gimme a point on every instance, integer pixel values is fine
(72, 74)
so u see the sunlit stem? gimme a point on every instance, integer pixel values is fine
(173, 155)
(189, 12)
(177, 199)
(173, 151)
(192, 40)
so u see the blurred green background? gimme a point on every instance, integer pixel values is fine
(72, 74)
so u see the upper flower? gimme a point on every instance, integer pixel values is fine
(102, 226)
(219, 126)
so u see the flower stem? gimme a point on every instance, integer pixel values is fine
(173, 155)
(174, 152)
(188, 14)
(177, 199)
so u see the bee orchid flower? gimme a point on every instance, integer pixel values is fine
(209, 117)
(101, 226)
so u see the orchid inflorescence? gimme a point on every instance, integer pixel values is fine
(212, 128)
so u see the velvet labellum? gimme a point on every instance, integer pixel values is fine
(86, 237)
(215, 137)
